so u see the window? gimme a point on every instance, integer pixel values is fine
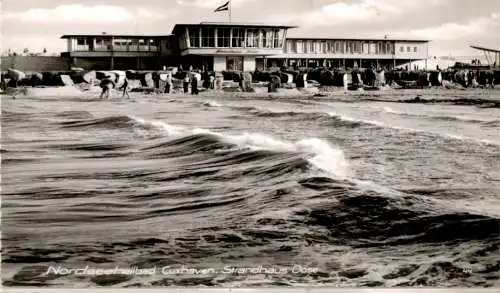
(328, 47)
(207, 37)
(238, 38)
(373, 48)
(268, 38)
(366, 48)
(415, 49)
(120, 45)
(119, 42)
(402, 49)
(281, 35)
(390, 48)
(194, 36)
(358, 47)
(252, 38)
(311, 47)
(318, 47)
(338, 47)
(81, 42)
(276, 37)
(408, 49)
(350, 47)
(143, 46)
(290, 47)
(223, 35)
(183, 41)
(153, 45)
(325, 46)
(381, 48)
(299, 46)
(101, 44)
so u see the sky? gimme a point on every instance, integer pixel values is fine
(451, 25)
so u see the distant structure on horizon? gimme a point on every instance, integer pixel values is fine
(221, 46)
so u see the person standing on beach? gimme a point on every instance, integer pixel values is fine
(212, 81)
(125, 88)
(106, 85)
(194, 85)
(168, 84)
(3, 84)
(186, 83)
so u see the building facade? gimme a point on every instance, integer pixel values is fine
(236, 46)
(228, 46)
(348, 53)
(120, 52)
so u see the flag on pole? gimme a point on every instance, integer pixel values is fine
(222, 7)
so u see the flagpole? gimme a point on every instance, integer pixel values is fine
(229, 10)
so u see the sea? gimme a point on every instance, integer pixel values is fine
(257, 190)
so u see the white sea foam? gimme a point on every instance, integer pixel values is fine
(392, 111)
(441, 116)
(326, 157)
(351, 119)
(319, 152)
(167, 128)
(213, 104)
(413, 130)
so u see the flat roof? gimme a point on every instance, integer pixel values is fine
(485, 49)
(356, 39)
(112, 35)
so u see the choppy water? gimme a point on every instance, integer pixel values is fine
(369, 193)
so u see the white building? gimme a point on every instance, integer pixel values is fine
(237, 46)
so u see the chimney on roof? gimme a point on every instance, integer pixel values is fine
(103, 33)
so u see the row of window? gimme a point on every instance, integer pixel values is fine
(235, 38)
(122, 48)
(408, 49)
(119, 42)
(338, 47)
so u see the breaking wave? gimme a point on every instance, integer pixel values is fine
(318, 152)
